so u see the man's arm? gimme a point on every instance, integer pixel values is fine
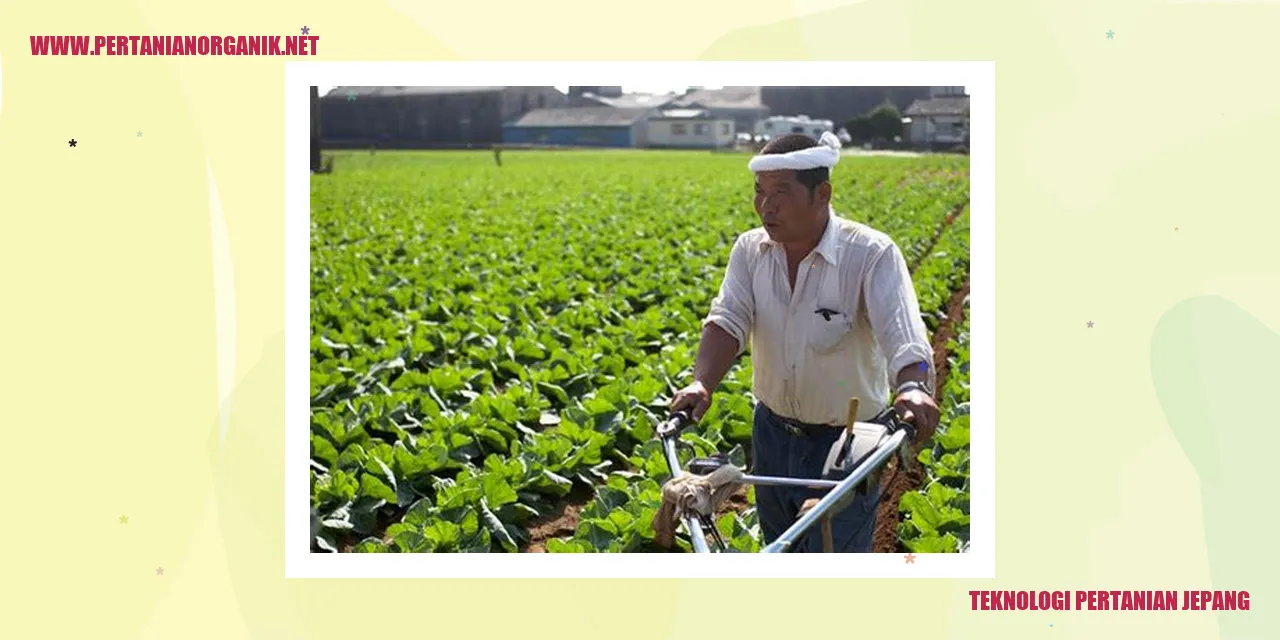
(728, 324)
(895, 318)
(717, 352)
(724, 334)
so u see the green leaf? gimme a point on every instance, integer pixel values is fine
(443, 535)
(337, 486)
(433, 457)
(326, 542)
(598, 406)
(338, 524)
(646, 390)
(473, 536)
(599, 533)
(497, 491)
(622, 520)
(352, 458)
(410, 539)
(553, 392)
(933, 543)
(491, 438)
(556, 545)
(419, 514)
(371, 486)
(956, 436)
(402, 494)
(924, 515)
(496, 528)
(371, 545)
(364, 514)
(323, 450)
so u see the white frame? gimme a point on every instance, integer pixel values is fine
(978, 77)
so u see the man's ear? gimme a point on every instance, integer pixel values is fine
(823, 193)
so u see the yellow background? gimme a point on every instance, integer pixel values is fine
(1130, 455)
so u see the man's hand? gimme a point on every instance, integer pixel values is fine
(918, 408)
(695, 397)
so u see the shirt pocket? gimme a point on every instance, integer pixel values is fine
(828, 330)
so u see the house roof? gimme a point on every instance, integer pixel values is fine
(723, 98)
(683, 114)
(580, 117)
(949, 106)
(633, 100)
(800, 119)
(367, 92)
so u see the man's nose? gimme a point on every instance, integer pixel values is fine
(768, 207)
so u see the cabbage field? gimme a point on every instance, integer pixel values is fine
(492, 346)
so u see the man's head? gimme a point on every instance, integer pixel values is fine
(792, 204)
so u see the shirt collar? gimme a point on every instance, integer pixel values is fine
(828, 245)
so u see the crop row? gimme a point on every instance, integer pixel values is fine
(937, 515)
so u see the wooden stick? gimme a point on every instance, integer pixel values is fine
(853, 413)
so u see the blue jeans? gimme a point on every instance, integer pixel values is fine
(778, 452)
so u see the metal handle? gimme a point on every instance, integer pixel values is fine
(668, 431)
(674, 424)
(691, 522)
(829, 501)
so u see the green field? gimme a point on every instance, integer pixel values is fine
(491, 346)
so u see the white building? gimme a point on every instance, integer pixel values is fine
(689, 129)
(939, 121)
(775, 126)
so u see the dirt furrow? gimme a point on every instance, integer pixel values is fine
(894, 482)
(937, 235)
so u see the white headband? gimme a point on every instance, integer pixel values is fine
(826, 154)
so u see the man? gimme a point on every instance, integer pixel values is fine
(831, 313)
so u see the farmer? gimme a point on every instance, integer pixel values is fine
(831, 313)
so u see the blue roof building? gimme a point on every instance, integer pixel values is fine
(579, 127)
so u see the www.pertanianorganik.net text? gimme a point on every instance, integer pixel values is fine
(174, 45)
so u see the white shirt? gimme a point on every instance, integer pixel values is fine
(804, 366)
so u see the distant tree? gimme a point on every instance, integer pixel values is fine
(859, 129)
(885, 122)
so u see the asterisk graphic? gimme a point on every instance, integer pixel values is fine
(1090, 324)
(124, 519)
(139, 134)
(1175, 228)
(911, 558)
(1111, 35)
(305, 31)
(72, 142)
(159, 571)
(351, 95)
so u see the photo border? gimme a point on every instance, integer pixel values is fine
(300, 562)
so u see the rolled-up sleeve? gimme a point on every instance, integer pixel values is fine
(894, 312)
(733, 309)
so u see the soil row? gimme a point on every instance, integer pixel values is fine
(894, 482)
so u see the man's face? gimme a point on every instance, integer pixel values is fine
(787, 209)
